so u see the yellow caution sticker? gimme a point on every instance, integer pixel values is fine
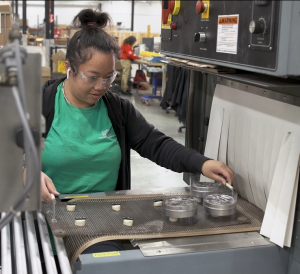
(72, 197)
(205, 15)
(106, 254)
(168, 25)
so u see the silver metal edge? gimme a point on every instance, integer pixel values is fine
(206, 243)
(264, 92)
(62, 256)
(35, 259)
(6, 266)
(46, 244)
(211, 247)
(223, 63)
(21, 265)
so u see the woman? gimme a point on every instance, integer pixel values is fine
(126, 57)
(90, 130)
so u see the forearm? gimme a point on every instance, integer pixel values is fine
(167, 153)
(150, 143)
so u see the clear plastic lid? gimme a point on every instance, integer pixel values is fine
(180, 204)
(222, 199)
(199, 189)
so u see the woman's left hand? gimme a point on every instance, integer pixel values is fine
(217, 171)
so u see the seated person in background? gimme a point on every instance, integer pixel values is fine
(90, 130)
(126, 57)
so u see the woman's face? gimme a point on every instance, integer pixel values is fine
(79, 88)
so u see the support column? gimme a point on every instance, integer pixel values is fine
(49, 26)
(24, 23)
(132, 14)
(17, 9)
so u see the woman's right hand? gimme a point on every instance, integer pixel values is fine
(47, 187)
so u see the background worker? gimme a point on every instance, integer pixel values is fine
(126, 57)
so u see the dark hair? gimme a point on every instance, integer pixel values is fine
(92, 37)
(130, 40)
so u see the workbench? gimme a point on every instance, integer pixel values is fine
(148, 66)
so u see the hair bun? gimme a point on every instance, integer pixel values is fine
(87, 17)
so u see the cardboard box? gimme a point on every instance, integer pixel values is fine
(64, 33)
(8, 18)
(109, 28)
(5, 6)
(2, 35)
(59, 56)
(61, 41)
(39, 41)
(21, 22)
(62, 26)
(46, 74)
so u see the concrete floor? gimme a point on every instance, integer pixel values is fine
(144, 173)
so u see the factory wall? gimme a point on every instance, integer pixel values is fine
(146, 12)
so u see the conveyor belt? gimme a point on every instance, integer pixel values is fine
(104, 224)
(20, 251)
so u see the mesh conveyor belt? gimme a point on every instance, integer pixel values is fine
(104, 224)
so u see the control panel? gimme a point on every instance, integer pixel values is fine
(240, 34)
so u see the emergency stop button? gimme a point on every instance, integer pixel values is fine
(174, 25)
(201, 7)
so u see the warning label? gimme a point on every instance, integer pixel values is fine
(106, 254)
(227, 39)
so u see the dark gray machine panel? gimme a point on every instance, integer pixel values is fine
(239, 34)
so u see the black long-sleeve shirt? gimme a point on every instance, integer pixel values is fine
(133, 132)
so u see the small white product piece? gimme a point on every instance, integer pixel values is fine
(52, 197)
(172, 219)
(229, 186)
(199, 200)
(116, 207)
(158, 203)
(71, 207)
(128, 221)
(80, 221)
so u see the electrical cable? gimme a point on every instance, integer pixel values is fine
(23, 97)
(18, 204)
(20, 74)
(28, 146)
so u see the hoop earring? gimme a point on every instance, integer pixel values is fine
(68, 73)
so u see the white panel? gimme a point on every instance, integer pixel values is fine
(278, 137)
(214, 135)
(261, 146)
(244, 161)
(253, 139)
(287, 187)
(241, 155)
(223, 145)
(288, 235)
(231, 146)
(269, 140)
(273, 200)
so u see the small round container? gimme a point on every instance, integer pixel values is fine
(201, 189)
(220, 204)
(181, 210)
